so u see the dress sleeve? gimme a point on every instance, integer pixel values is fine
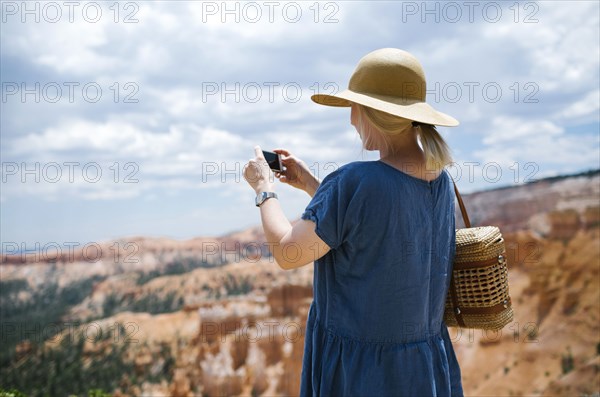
(330, 209)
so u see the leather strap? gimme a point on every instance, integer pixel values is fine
(456, 310)
(463, 210)
(486, 310)
(478, 264)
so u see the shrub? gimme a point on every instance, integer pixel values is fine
(567, 362)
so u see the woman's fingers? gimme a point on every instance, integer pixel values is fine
(292, 167)
(289, 159)
(258, 153)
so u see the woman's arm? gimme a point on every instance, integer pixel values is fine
(312, 186)
(291, 246)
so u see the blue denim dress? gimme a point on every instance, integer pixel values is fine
(375, 326)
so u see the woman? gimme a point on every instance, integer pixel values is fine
(382, 238)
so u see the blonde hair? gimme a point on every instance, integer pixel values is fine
(437, 151)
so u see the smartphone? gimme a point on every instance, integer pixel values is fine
(274, 160)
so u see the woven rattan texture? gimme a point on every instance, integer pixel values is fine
(480, 278)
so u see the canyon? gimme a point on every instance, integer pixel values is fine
(216, 316)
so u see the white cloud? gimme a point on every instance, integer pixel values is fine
(513, 139)
(123, 140)
(173, 132)
(181, 155)
(587, 107)
(66, 47)
(515, 129)
(558, 44)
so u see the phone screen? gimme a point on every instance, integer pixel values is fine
(273, 160)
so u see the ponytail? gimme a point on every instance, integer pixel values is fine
(437, 152)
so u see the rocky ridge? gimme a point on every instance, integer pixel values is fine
(216, 316)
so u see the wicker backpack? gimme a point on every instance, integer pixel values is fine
(478, 295)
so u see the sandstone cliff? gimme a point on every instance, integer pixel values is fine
(218, 317)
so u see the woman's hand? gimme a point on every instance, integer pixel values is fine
(296, 173)
(279, 232)
(258, 174)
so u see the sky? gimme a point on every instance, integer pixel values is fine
(136, 118)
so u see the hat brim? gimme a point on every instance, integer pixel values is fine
(411, 109)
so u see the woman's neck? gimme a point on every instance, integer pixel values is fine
(410, 161)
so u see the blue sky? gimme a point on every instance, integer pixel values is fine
(136, 119)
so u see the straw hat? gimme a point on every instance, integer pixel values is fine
(393, 81)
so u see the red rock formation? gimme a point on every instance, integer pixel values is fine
(253, 344)
(287, 299)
